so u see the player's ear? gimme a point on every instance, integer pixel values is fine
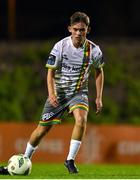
(89, 29)
(69, 29)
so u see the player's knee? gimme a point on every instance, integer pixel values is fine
(81, 121)
(41, 131)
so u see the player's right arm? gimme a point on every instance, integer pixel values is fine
(52, 64)
(51, 87)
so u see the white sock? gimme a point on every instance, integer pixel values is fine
(30, 150)
(74, 148)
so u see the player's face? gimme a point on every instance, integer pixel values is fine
(78, 33)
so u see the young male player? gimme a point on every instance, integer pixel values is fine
(69, 64)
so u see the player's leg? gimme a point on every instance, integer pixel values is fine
(44, 126)
(35, 139)
(80, 116)
(79, 129)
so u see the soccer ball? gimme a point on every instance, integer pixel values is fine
(19, 165)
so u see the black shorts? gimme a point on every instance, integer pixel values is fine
(52, 115)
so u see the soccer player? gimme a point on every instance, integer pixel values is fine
(69, 65)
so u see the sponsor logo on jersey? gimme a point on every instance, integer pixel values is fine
(67, 68)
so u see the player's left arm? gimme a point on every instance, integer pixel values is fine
(98, 62)
(99, 81)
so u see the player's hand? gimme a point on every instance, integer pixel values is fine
(53, 100)
(99, 105)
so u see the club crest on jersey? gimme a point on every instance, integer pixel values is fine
(64, 56)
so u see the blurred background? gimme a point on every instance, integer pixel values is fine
(42, 20)
(28, 31)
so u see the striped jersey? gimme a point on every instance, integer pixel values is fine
(72, 65)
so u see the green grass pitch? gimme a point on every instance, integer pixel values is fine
(58, 171)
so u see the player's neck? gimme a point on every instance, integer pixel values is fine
(78, 44)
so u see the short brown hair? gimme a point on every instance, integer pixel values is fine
(79, 17)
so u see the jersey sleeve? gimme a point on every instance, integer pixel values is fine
(54, 57)
(97, 57)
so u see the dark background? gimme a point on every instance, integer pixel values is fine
(42, 19)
